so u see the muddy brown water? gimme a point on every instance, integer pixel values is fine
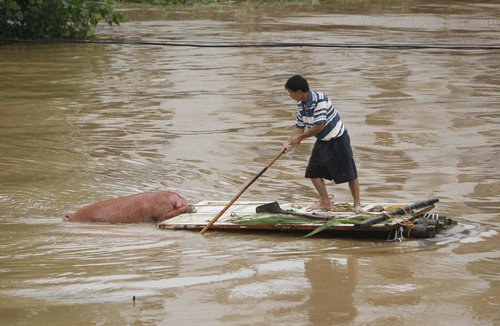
(83, 123)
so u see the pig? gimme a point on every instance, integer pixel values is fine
(154, 206)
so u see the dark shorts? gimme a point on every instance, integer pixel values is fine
(332, 160)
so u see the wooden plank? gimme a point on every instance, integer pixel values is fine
(205, 211)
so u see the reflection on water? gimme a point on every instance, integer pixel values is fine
(82, 123)
(332, 287)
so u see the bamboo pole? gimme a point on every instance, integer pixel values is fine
(240, 193)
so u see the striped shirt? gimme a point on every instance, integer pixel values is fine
(319, 109)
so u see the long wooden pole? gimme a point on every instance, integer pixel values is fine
(240, 193)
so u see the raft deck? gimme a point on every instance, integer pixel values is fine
(242, 216)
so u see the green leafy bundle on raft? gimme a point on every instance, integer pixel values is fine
(328, 224)
(277, 219)
(272, 219)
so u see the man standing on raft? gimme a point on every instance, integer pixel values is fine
(331, 157)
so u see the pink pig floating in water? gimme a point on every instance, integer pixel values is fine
(144, 207)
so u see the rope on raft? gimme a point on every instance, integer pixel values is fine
(403, 223)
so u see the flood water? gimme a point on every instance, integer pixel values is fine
(82, 123)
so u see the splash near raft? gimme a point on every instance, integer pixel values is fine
(392, 221)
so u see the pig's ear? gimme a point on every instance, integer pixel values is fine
(66, 218)
(180, 201)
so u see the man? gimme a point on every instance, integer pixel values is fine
(331, 157)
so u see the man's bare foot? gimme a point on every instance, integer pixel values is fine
(358, 209)
(320, 207)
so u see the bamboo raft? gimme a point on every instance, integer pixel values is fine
(393, 221)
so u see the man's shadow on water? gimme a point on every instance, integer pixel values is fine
(332, 287)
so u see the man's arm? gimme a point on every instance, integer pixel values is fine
(300, 134)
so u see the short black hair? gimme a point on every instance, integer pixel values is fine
(296, 83)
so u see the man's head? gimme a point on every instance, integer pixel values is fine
(297, 88)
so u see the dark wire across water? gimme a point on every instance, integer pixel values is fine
(391, 46)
